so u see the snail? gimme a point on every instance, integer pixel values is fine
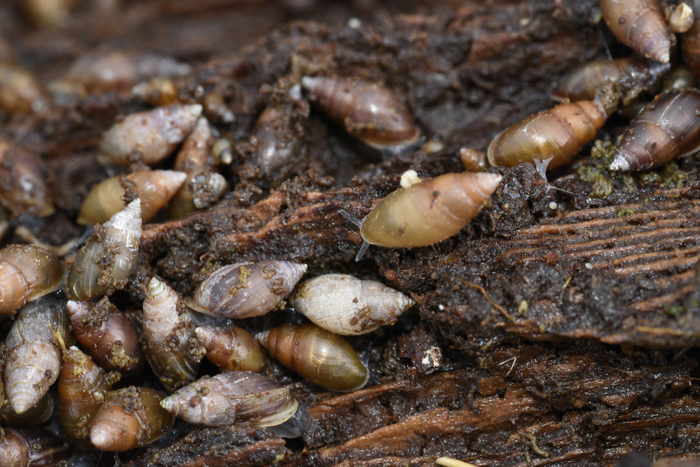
(427, 212)
(34, 346)
(631, 76)
(27, 272)
(36, 415)
(107, 334)
(232, 398)
(368, 111)
(19, 91)
(319, 356)
(104, 263)
(680, 17)
(23, 176)
(640, 25)
(232, 349)
(677, 79)
(82, 388)
(690, 42)
(473, 160)
(244, 290)
(153, 187)
(33, 447)
(666, 129)
(170, 345)
(276, 138)
(346, 305)
(131, 417)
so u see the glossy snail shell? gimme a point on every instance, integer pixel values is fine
(666, 129)
(232, 349)
(244, 290)
(276, 139)
(368, 111)
(29, 447)
(131, 417)
(428, 212)
(346, 305)
(148, 136)
(233, 397)
(171, 347)
(27, 272)
(154, 188)
(640, 25)
(558, 133)
(319, 356)
(106, 260)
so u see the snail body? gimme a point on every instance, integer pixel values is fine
(34, 346)
(148, 136)
(171, 347)
(319, 356)
(233, 397)
(244, 290)
(368, 111)
(107, 334)
(27, 272)
(106, 260)
(153, 187)
(232, 349)
(23, 187)
(346, 305)
(82, 388)
(666, 129)
(131, 417)
(640, 25)
(557, 134)
(631, 75)
(428, 212)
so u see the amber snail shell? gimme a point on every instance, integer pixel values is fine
(27, 272)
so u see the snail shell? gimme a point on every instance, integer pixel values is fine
(171, 347)
(244, 290)
(27, 272)
(36, 415)
(231, 349)
(276, 138)
(473, 160)
(666, 129)
(677, 79)
(368, 111)
(23, 176)
(107, 334)
(640, 25)
(19, 91)
(131, 417)
(558, 133)
(82, 388)
(631, 75)
(680, 17)
(319, 356)
(153, 187)
(233, 397)
(201, 190)
(34, 352)
(31, 448)
(428, 212)
(106, 260)
(690, 42)
(148, 136)
(346, 305)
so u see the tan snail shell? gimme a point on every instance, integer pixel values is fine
(368, 111)
(34, 351)
(26, 447)
(640, 25)
(19, 91)
(232, 398)
(171, 347)
(666, 129)
(558, 134)
(154, 188)
(106, 260)
(428, 212)
(27, 272)
(473, 160)
(346, 305)
(680, 17)
(82, 388)
(36, 415)
(107, 334)
(148, 136)
(231, 349)
(319, 356)
(244, 290)
(131, 417)
(23, 181)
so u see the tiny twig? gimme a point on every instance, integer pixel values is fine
(533, 443)
(450, 462)
(512, 359)
(488, 298)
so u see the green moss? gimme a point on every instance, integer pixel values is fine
(624, 212)
(602, 184)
